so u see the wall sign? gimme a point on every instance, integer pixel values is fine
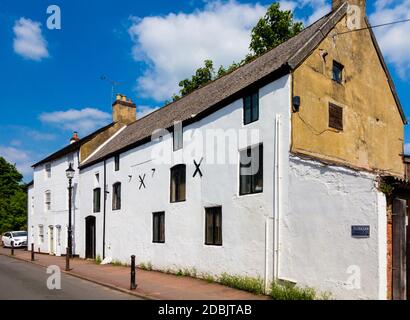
(361, 231)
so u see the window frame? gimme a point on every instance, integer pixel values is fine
(253, 97)
(253, 178)
(95, 192)
(178, 197)
(340, 68)
(47, 202)
(332, 109)
(116, 196)
(47, 168)
(158, 232)
(217, 234)
(178, 136)
(117, 162)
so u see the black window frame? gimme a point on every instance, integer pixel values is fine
(338, 68)
(117, 162)
(116, 196)
(158, 227)
(251, 100)
(252, 180)
(178, 173)
(213, 235)
(97, 203)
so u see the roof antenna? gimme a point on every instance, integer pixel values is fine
(113, 83)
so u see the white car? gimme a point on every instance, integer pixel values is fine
(19, 238)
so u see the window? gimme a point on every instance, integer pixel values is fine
(32, 205)
(40, 234)
(213, 226)
(178, 176)
(47, 200)
(178, 137)
(48, 170)
(70, 159)
(116, 196)
(251, 108)
(335, 117)
(117, 162)
(97, 200)
(251, 170)
(337, 72)
(158, 227)
(97, 179)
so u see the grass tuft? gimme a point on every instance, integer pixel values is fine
(253, 285)
(289, 291)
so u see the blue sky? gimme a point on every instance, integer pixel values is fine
(50, 79)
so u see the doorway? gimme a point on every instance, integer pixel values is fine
(90, 237)
(51, 240)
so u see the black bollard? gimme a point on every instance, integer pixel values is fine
(12, 248)
(133, 284)
(67, 259)
(32, 252)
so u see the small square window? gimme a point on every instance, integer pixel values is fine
(158, 227)
(337, 72)
(213, 226)
(335, 117)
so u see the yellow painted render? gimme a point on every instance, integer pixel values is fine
(373, 133)
(89, 147)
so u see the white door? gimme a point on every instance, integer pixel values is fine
(58, 247)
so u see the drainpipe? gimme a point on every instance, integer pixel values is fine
(274, 218)
(105, 205)
(277, 208)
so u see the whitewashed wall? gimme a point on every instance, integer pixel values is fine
(316, 246)
(58, 215)
(244, 251)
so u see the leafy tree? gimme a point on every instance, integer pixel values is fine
(13, 198)
(274, 28)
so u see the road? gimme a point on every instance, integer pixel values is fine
(25, 281)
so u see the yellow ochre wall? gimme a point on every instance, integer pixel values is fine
(373, 133)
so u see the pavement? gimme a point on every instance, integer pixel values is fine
(25, 281)
(150, 284)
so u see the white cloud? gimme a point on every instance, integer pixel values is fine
(28, 40)
(19, 157)
(394, 39)
(176, 44)
(84, 121)
(143, 111)
(407, 149)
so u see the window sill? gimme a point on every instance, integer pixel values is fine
(178, 201)
(213, 245)
(158, 242)
(250, 194)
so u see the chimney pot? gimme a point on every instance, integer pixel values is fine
(74, 138)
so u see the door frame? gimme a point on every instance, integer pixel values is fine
(90, 222)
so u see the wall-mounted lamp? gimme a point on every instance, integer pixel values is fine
(296, 104)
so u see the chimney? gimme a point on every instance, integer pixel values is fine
(74, 138)
(360, 3)
(123, 110)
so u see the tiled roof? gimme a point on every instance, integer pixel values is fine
(192, 107)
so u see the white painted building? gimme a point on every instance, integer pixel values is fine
(184, 203)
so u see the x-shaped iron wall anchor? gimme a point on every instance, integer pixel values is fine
(197, 169)
(142, 184)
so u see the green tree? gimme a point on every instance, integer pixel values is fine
(276, 27)
(13, 198)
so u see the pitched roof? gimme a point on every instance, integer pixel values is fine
(216, 94)
(72, 147)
